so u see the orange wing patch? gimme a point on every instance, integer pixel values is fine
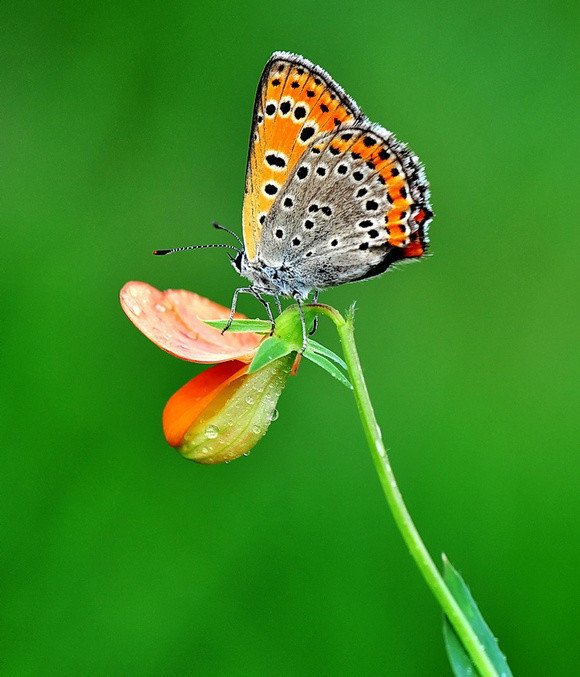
(380, 157)
(295, 101)
(395, 171)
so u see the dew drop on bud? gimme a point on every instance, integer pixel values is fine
(275, 415)
(211, 432)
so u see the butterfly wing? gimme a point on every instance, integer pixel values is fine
(355, 202)
(296, 100)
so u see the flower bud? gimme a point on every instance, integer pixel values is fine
(223, 412)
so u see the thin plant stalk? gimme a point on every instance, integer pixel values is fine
(411, 536)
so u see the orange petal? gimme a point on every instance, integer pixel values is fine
(172, 319)
(185, 406)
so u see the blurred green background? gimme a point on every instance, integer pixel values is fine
(124, 128)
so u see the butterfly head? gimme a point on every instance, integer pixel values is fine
(237, 261)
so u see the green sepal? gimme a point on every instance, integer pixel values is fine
(289, 327)
(323, 350)
(327, 365)
(238, 326)
(461, 663)
(271, 349)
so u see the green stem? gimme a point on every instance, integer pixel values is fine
(395, 499)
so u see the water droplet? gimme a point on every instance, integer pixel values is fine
(134, 308)
(249, 400)
(275, 415)
(211, 432)
(257, 429)
(160, 307)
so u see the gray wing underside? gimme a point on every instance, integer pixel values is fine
(327, 224)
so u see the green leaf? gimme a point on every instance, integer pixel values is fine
(256, 326)
(327, 365)
(271, 349)
(461, 663)
(323, 350)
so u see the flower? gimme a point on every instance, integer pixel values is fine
(224, 411)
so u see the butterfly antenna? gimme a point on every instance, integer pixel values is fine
(163, 252)
(219, 226)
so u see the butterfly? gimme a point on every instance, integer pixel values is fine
(330, 197)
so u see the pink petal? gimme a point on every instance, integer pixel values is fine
(172, 319)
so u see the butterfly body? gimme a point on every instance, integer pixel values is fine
(330, 197)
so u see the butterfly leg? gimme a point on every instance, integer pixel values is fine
(315, 323)
(278, 303)
(303, 323)
(257, 295)
(238, 291)
(266, 305)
